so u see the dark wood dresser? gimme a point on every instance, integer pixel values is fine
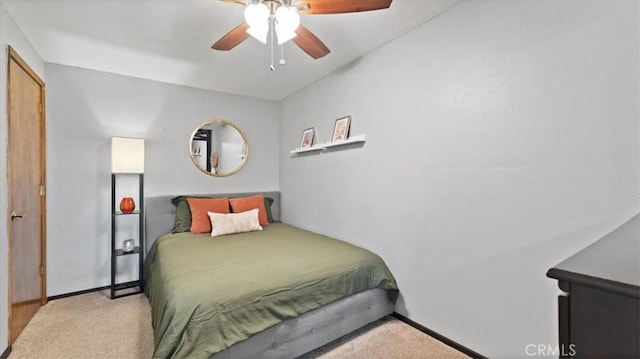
(599, 311)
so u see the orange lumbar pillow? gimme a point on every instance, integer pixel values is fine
(199, 207)
(243, 204)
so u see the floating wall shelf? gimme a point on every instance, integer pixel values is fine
(327, 145)
(313, 148)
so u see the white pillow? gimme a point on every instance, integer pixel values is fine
(228, 223)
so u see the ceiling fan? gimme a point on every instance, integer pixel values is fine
(283, 17)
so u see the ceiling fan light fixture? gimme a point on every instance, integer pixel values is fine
(257, 15)
(264, 17)
(287, 21)
(259, 32)
(284, 36)
(287, 17)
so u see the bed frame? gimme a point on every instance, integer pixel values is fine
(295, 336)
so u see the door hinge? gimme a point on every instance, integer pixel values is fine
(42, 271)
(40, 107)
(43, 190)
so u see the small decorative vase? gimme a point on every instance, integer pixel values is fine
(128, 245)
(127, 205)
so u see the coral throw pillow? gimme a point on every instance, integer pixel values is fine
(243, 204)
(199, 207)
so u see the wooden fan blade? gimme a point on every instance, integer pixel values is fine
(341, 6)
(310, 43)
(233, 38)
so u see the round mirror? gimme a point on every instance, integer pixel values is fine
(219, 148)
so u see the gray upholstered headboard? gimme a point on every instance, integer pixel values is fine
(160, 212)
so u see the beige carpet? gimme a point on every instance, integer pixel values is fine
(93, 326)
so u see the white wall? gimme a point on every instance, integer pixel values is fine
(502, 137)
(10, 35)
(85, 109)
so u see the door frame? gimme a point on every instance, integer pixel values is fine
(13, 56)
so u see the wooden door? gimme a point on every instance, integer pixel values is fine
(26, 178)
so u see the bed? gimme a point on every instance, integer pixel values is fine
(275, 293)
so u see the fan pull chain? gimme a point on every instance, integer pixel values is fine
(272, 44)
(282, 62)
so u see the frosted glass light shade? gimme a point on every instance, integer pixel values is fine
(287, 21)
(284, 35)
(127, 155)
(256, 14)
(259, 32)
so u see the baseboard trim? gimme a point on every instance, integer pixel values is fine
(439, 337)
(60, 296)
(6, 353)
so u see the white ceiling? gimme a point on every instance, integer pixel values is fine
(170, 40)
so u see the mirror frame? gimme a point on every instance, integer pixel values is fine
(245, 151)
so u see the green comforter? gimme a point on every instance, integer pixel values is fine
(207, 293)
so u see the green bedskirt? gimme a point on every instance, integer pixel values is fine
(208, 293)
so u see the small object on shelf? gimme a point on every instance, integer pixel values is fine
(128, 245)
(307, 137)
(341, 129)
(127, 205)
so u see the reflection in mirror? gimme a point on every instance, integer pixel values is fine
(219, 148)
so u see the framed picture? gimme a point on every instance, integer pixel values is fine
(307, 137)
(341, 129)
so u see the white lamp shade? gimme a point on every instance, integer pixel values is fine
(127, 155)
